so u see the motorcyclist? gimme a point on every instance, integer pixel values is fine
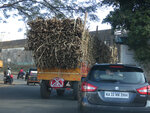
(21, 73)
(8, 71)
(21, 70)
(8, 75)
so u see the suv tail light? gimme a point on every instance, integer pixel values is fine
(144, 90)
(86, 87)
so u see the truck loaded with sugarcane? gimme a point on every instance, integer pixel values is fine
(63, 52)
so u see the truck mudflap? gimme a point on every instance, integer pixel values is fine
(57, 83)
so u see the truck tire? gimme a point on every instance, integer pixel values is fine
(75, 90)
(60, 92)
(44, 90)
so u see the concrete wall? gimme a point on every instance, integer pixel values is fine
(105, 35)
(17, 58)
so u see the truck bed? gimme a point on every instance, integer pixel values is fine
(66, 74)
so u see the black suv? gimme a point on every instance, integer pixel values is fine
(114, 87)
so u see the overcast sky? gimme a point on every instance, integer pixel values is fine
(9, 31)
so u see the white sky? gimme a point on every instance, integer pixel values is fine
(9, 31)
(102, 13)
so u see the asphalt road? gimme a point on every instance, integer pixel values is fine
(21, 98)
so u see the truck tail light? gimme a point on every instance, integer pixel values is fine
(86, 87)
(144, 90)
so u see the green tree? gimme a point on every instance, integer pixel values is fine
(134, 17)
(30, 9)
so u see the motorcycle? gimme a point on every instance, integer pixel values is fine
(21, 75)
(8, 79)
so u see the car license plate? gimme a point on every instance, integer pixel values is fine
(109, 94)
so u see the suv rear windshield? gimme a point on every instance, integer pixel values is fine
(122, 74)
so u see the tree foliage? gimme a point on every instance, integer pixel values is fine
(134, 17)
(30, 9)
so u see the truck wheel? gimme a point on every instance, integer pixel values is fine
(60, 92)
(75, 90)
(44, 90)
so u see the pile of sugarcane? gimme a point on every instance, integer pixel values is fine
(64, 44)
(56, 43)
(101, 52)
(98, 51)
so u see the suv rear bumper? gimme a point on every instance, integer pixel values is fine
(86, 107)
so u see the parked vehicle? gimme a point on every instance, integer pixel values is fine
(32, 76)
(114, 87)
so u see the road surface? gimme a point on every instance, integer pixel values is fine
(21, 98)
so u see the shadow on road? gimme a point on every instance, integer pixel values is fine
(23, 91)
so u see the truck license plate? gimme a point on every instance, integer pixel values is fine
(57, 83)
